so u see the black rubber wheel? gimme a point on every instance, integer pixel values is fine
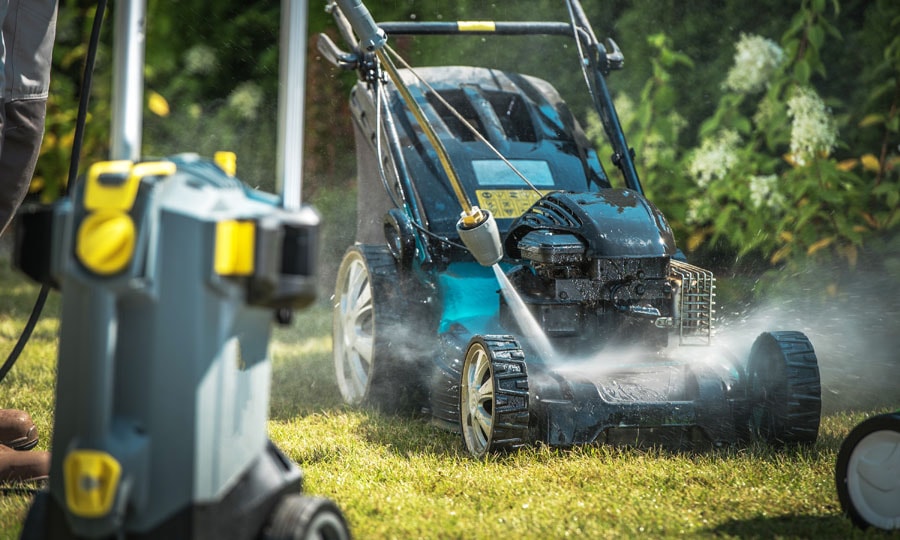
(867, 473)
(493, 395)
(35, 525)
(375, 337)
(299, 517)
(45, 519)
(784, 390)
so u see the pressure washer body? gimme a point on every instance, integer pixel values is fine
(171, 272)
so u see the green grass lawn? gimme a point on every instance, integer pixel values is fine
(402, 478)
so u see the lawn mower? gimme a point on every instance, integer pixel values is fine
(867, 473)
(501, 284)
(172, 272)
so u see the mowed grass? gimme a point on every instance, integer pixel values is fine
(402, 478)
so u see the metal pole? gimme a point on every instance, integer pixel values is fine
(128, 79)
(291, 95)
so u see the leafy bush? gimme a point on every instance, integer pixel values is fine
(777, 173)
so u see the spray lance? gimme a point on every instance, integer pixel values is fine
(477, 228)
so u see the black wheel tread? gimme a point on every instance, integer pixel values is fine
(802, 409)
(510, 391)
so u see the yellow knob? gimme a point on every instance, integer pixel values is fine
(91, 481)
(105, 242)
(227, 161)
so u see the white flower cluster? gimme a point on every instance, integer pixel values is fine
(246, 100)
(715, 157)
(698, 211)
(755, 60)
(764, 191)
(200, 59)
(813, 130)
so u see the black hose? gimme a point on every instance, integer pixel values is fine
(80, 121)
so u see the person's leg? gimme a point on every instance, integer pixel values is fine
(29, 29)
(23, 129)
(26, 46)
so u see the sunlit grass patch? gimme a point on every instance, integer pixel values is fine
(402, 477)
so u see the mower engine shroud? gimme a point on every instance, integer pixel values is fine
(420, 326)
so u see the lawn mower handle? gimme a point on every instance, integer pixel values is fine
(371, 38)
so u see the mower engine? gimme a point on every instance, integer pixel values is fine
(602, 265)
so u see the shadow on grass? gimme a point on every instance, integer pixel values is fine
(406, 435)
(26, 490)
(834, 526)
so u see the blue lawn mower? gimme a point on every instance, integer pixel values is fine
(502, 284)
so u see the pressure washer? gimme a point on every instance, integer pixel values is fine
(172, 272)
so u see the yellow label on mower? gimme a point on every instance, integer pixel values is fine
(507, 203)
(475, 26)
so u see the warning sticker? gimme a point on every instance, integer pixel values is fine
(507, 203)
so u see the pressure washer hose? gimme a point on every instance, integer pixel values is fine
(80, 121)
(427, 128)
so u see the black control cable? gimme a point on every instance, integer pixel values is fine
(80, 121)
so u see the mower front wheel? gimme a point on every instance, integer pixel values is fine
(867, 473)
(784, 389)
(493, 395)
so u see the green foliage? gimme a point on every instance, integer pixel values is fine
(776, 172)
(72, 35)
(211, 76)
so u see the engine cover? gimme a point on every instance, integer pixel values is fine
(609, 222)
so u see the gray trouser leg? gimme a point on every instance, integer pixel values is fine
(23, 129)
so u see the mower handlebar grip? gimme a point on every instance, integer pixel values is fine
(371, 38)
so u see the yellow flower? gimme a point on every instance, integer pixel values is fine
(157, 104)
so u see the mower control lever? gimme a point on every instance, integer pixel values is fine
(614, 59)
(335, 54)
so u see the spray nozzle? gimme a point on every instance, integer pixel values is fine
(472, 218)
(478, 231)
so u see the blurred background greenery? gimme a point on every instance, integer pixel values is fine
(765, 207)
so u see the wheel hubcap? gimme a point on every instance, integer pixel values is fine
(478, 400)
(354, 333)
(875, 491)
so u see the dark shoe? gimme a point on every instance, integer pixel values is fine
(17, 430)
(23, 466)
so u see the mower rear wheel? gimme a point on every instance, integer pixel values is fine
(300, 517)
(493, 395)
(784, 389)
(867, 473)
(371, 332)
